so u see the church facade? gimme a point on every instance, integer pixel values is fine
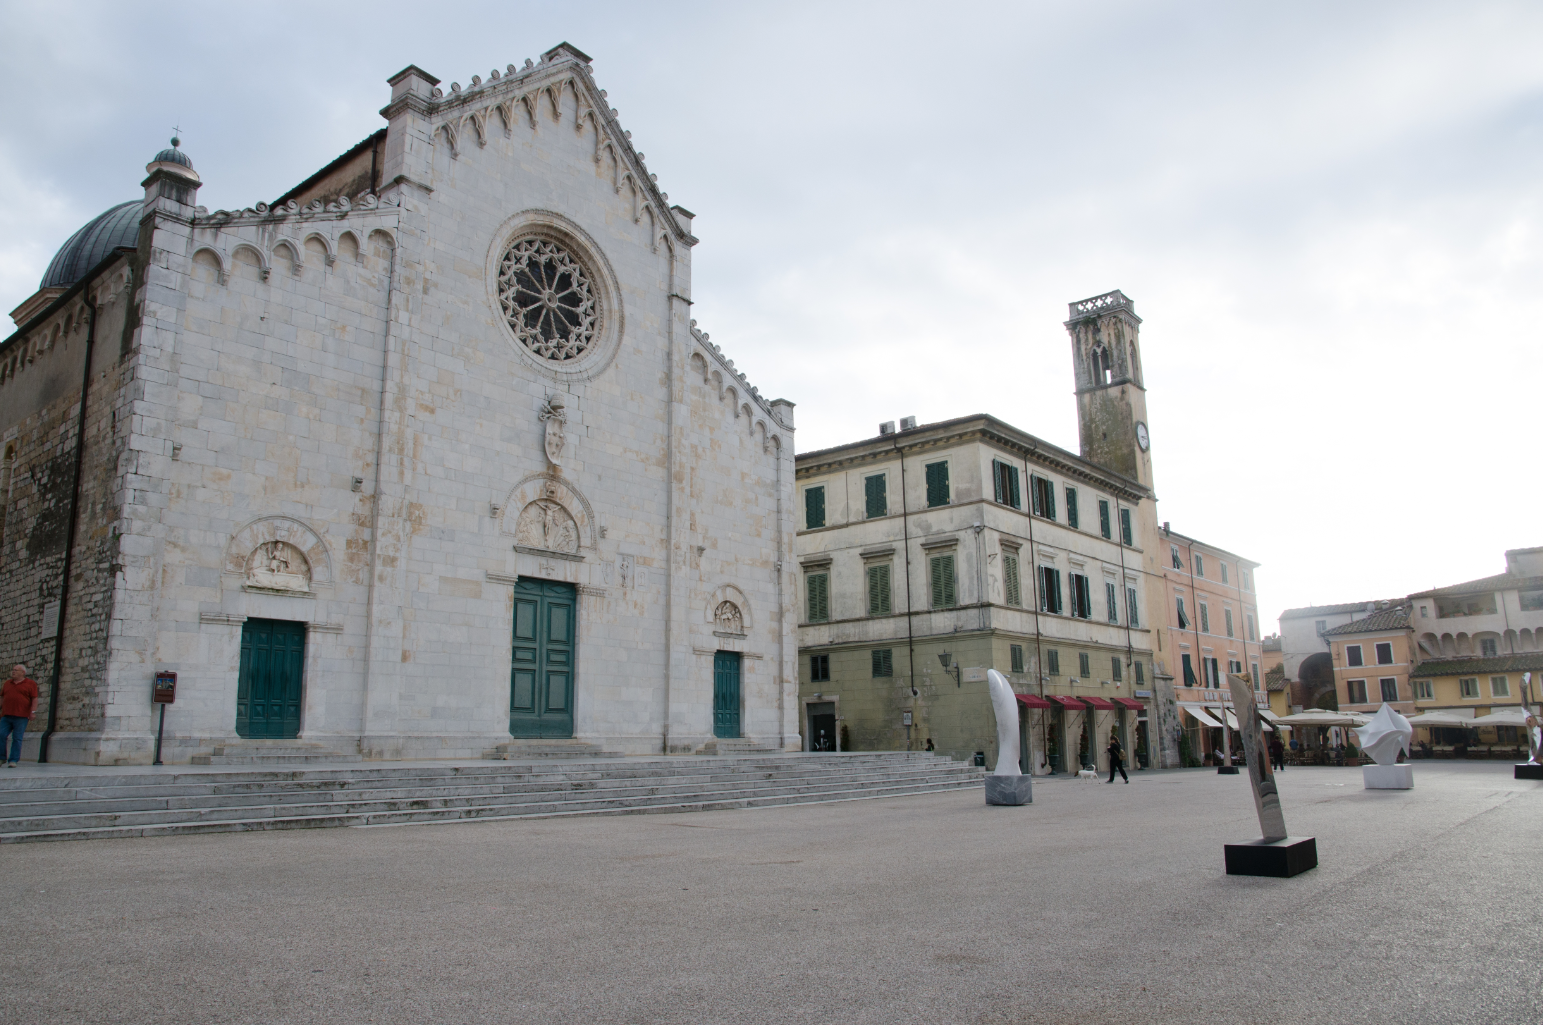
(427, 458)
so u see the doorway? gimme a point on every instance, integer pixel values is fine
(822, 725)
(542, 659)
(726, 694)
(270, 679)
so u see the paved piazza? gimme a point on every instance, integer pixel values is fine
(1096, 904)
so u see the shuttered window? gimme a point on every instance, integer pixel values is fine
(1353, 655)
(1205, 618)
(877, 496)
(1044, 497)
(1189, 671)
(1049, 590)
(1212, 673)
(1254, 669)
(1005, 477)
(1248, 621)
(1199, 565)
(937, 484)
(1423, 690)
(1132, 619)
(818, 586)
(1385, 654)
(1355, 692)
(879, 590)
(1389, 688)
(1227, 613)
(1183, 619)
(814, 507)
(1083, 669)
(1116, 669)
(1140, 674)
(883, 663)
(942, 567)
(1053, 662)
(1103, 518)
(1112, 600)
(1223, 565)
(1125, 531)
(819, 668)
(1173, 552)
(1071, 507)
(1082, 596)
(1015, 651)
(1012, 584)
(1469, 688)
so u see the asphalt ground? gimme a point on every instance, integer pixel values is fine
(1095, 904)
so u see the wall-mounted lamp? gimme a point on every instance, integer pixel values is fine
(948, 660)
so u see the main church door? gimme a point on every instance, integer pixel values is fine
(268, 686)
(726, 694)
(541, 670)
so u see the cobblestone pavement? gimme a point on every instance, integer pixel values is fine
(1096, 904)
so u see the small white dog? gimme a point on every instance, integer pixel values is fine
(1087, 772)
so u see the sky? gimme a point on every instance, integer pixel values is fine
(1328, 215)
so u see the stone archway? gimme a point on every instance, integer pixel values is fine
(1316, 680)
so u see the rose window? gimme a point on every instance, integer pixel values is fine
(548, 300)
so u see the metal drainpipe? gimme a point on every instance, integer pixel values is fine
(905, 534)
(380, 448)
(69, 543)
(1039, 654)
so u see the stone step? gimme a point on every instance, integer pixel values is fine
(77, 801)
(24, 816)
(274, 752)
(427, 816)
(515, 750)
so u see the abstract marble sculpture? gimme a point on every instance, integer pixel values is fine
(1384, 737)
(1276, 854)
(1532, 768)
(1006, 784)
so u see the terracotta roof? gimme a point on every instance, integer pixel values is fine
(1387, 619)
(1275, 679)
(1333, 610)
(1530, 662)
(1501, 582)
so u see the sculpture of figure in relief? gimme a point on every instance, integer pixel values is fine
(545, 524)
(279, 565)
(728, 619)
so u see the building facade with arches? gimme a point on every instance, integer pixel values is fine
(425, 458)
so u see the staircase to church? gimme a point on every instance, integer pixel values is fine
(98, 804)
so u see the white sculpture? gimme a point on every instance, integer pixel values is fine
(1383, 738)
(1007, 784)
(1385, 735)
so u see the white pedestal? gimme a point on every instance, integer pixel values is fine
(1388, 777)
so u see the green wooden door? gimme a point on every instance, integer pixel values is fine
(726, 694)
(542, 662)
(269, 686)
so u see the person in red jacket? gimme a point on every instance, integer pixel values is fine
(18, 701)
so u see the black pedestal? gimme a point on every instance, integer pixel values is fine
(1285, 858)
(1528, 770)
(1226, 770)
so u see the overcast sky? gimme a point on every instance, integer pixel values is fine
(1327, 214)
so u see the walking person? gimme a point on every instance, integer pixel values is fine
(1116, 758)
(1277, 754)
(18, 702)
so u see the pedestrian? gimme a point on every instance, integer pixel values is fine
(18, 701)
(929, 745)
(1116, 758)
(1277, 754)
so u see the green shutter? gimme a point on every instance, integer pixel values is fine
(1228, 614)
(1112, 600)
(997, 479)
(1083, 670)
(942, 581)
(937, 484)
(1131, 619)
(819, 597)
(1103, 518)
(814, 507)
(883, 663)
(878, 590)
(877, 496)
(1071, 507)
(1114, 668)
(1011, 582)
(1053, 662)
(1016, 652)
(1125, 527)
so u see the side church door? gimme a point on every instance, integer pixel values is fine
(542, 662)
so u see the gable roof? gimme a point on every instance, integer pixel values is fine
(532, 95)
(1333, 610)
(1378, 622)
(1275, 679)
(1499, 582)
(1529, 662)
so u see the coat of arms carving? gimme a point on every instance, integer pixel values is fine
(555, 416)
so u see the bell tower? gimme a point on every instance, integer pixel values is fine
(1111, 399)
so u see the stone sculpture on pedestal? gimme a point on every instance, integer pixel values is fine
(1532, 768)
(1276, 854)
(1384, 737)
(1007, 784)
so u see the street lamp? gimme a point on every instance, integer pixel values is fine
(947, 660)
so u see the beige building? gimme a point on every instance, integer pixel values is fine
(975, 544)
(1373, 657)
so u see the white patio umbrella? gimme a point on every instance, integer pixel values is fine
(1323, 717)
(1501, 717)
(1441, 719)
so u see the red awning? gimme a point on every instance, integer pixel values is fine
(1130, 703)
(1031, 701)
(1102, 705)
(1071, 704)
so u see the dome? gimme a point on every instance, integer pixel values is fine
(173, 155)
(89, 246)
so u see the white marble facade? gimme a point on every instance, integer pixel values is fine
(348, 415)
